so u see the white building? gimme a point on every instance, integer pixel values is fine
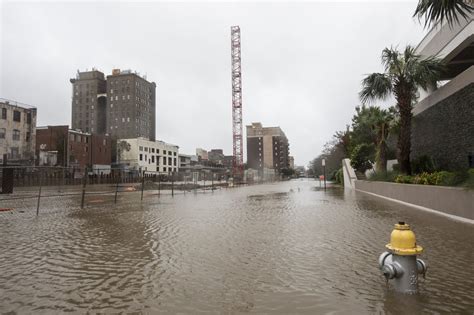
(17, 131)
(141, 154)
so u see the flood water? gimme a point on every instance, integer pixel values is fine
(286, 248)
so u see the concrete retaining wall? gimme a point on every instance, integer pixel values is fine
(448, 200)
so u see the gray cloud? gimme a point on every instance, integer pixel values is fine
(302, 62)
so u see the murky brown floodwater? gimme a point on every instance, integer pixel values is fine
(259, 249)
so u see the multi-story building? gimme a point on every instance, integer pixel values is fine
(202, 154)
(17, 132)
(267, 148)
(122, 105)
(59, 145)
(131, 107)
(443, 118)
(141, 154)
(291, 162)
(89, 102)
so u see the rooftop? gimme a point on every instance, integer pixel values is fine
(16, 104)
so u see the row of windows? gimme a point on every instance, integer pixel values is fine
(16, 115)
(16, 135)
(152, 150)
(171, 161)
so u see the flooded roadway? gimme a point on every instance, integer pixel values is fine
(279, 248)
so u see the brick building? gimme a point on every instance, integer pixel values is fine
(267, 148)
(59, 145)
(122, 105)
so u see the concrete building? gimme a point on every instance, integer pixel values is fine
(17, 132)
(267, 148)
(291, 162)
(202, 154)
(123, 105)
(443, 118)
(61, 146)
(141, 154)
(184, 161)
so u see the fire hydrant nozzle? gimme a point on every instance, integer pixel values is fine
(400, 262)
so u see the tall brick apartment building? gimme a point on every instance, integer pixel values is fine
(122, 105)
(267, 148)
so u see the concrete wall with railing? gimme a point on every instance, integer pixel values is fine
(453, 201)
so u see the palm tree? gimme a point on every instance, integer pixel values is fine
(375, 125)
(381, 120)
(404, 73)
(434, 11)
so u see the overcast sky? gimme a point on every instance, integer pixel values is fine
(302, 63)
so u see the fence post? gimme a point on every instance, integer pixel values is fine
(212, 181)
(172, 184)
(159, 185)
(143, 183)
(39, 198)
(84, 183)
(116, 190)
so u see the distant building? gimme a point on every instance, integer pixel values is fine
(267, 148)
(202, 154)
(61, 146)
(184, 161)
(141, 154)
(17, 132)
(291, 162)
(123, 105)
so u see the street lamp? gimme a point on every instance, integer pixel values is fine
(324, 173)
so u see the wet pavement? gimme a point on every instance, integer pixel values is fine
(287, 247)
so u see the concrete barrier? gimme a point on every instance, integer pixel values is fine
(452, 201)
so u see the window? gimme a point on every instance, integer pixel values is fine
(169, 161)
(164, 169)
(28, 136)
(152, 159)
(157, 150)
(16, 116)
(28, 118)
(174, 153)
(141, 157)
(174, 161)
(2, 133)
(157, 160)
(152, 150)
(140, 148)
(16, 134)
(146, 149)
(14, 153)
(164, 160)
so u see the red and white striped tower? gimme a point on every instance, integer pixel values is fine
(237, 133)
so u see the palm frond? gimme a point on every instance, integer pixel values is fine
(375, 86)
(391, 60)
(434, 11)
(427, 72)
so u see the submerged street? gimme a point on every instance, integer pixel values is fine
(287, 247)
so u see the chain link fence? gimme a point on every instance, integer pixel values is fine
(43, 188)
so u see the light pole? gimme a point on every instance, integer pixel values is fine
(324, 173)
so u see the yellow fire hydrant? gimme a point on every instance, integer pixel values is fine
(400, 262)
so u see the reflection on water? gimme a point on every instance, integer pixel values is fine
(288, 247)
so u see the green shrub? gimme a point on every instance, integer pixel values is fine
(423, 164)
(404, 179)
(362, 156)
(389, 176)
(469, 182)
(339, 176)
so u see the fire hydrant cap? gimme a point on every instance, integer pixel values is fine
(403, 241)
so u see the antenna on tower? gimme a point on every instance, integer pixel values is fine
(238, 155)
